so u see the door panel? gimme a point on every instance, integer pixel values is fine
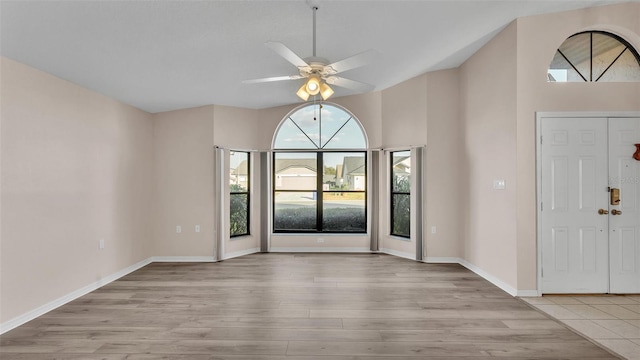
(574, 188)
(624, 229)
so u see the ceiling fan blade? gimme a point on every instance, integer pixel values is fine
(354, 61)
(282, 50)
(274, 78)
(349, 84)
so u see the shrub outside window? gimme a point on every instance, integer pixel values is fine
(239, 197)
(401, 193)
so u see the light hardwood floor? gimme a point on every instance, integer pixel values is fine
(298, 306)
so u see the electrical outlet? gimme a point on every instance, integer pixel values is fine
(101, 244)
(320, 240)
(433, 230)
(197, 228)
(178, 229)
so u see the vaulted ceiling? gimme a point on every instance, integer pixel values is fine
(166, 55)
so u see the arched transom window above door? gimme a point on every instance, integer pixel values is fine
(595, 56)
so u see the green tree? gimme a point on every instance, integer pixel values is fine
(401, 205)
(238, 210)
(329, 170)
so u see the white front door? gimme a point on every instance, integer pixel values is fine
(624, 222)
(587, 247)
(574, 189)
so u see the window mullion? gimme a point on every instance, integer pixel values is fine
(319, 192)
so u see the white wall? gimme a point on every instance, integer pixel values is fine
(76, 168)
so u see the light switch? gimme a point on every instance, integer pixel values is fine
(499, 184)
(433, 230)
(197, 228)
(178, 229)
(101, 244)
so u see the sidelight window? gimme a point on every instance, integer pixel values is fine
(239, 197)
(401, 193)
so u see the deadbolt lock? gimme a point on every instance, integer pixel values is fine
(615, 196)
(603, 212)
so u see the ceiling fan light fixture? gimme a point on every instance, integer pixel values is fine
(313, 85)
(302, 92)
(325, 91)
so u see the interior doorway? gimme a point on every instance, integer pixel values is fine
(589, 204)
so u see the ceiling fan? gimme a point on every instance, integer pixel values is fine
(318, 71)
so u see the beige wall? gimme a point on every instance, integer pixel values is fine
(538, 39)
(76, 168)
(443, 169)
(488, 110)
(183, 173)
(404, 106)
(235, 129)
(502, 86)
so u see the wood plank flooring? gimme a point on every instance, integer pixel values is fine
(298, 306)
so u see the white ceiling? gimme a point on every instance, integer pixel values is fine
(166, 55)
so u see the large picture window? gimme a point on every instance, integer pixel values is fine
(401, 193)
(320, 172)
(239, 197)
(331, 201)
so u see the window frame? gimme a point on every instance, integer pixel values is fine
(625, 43)
(319, 191)
(393, 193)
(247, 193)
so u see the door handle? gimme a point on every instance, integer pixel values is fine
(603, 212)
(616, 212)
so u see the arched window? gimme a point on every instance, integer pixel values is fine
(595, 56)
(320, 172)
(320, 126)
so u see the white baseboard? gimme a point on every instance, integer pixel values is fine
(320, 250)
(241, 253)
(490, 278)
(398, 253)
(528, 293)
(183, 259)
(442, 260)
(24, 318)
